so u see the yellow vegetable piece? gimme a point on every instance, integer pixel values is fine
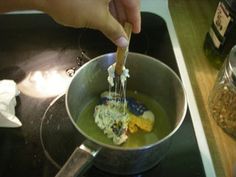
(140, 122)
(132, 127)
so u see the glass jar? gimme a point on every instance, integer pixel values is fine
(222, 99)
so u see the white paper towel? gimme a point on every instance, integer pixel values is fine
(8, 93)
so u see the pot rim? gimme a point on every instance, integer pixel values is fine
(117, 147)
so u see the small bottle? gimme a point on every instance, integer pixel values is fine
(222, 98)
(221, 36)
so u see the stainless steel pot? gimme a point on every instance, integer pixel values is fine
(149, 76)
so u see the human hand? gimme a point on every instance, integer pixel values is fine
(107, 16)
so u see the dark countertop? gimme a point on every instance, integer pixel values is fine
(36, 53)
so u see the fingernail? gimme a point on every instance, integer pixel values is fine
(122, 42)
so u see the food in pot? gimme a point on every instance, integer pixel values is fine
(118, 117)
(111, 75)
(144, 122)
(111, 118)
(160, 129)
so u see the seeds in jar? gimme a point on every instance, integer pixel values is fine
(222, 104)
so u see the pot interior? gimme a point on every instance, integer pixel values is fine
(156, 84)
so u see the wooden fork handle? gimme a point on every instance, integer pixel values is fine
(122, 52)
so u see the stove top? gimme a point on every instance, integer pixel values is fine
(41, 56)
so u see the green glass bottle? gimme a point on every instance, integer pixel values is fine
(221, 36)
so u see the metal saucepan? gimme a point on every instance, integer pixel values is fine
(147, 75)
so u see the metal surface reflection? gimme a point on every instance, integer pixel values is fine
(45, 83)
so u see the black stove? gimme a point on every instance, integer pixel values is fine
(41, 57)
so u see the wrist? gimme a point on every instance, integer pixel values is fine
(16, 5)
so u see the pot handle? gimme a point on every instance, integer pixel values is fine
(80, 160)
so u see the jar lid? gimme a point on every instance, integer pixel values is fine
(232, 64)
(232, 4)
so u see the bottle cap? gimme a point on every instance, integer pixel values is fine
(232, 4)
(232, 65)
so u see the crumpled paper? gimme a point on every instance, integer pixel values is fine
(8, 93)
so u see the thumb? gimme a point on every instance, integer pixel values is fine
(113, 30)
